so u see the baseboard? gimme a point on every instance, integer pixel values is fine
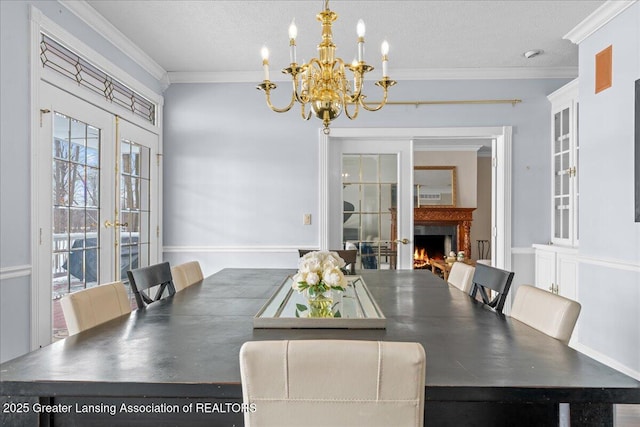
(606, 360)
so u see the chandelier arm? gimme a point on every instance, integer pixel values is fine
(303, 112)
(377, 107)
(357, 72)
(296, 92)
(356, 111)
(342, 71)
(280, 110)
(357, 89)
(307, 80)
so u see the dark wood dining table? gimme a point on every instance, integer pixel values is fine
(176, 362)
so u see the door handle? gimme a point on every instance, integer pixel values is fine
(404, 241)
(108, 224)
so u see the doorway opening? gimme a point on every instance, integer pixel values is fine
(332, 209)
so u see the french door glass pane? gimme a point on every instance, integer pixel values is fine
(76, 210)
(134, 206)
(368, 194)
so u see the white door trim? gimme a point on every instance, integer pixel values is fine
(41, 23)
(501, 179)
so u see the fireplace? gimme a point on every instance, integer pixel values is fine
(452, 223)
(432, 242)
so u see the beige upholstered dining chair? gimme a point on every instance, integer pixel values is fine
(333, 382)
(186, 274)
(461, 276)
(92, 306)
(549, 313)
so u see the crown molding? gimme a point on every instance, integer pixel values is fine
(502, 73)
(220, 77)
(598, 19)
(398, 74)
(106, 29)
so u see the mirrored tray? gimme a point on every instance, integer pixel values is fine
(353, 309)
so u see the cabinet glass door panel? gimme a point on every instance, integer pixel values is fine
(563, 175)
(576, 175)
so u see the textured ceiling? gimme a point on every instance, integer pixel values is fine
(223, 36)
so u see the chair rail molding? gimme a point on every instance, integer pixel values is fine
(15, 271)
(616, 264)
(522, 251)
(236, 249)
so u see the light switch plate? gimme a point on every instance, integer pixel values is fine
(306, 219)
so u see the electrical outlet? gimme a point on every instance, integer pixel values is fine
(306, 219)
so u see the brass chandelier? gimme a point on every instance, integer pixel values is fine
(322, 82)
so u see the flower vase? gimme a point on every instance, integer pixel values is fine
(320, 303)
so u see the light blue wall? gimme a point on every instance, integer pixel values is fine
(609, 271)
(238, 175)
(15, 154)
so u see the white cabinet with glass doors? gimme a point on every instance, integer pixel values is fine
(556, 264)
(565, 151)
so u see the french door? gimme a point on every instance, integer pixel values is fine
(374, 212)
(97, 196)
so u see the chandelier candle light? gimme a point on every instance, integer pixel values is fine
(322, 83)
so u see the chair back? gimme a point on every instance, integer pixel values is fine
(333, 382)
(348, 255)
(186, 274)
(493, 284)
(461, 275)
(179, 277)
(92, 306)
(156, 276)
(549, 313)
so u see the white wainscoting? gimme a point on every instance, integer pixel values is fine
(15, 293)
(618, 276)
(524, 266)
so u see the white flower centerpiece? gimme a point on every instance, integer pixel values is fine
(320, 273)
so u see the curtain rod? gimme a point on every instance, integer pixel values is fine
(513, 102)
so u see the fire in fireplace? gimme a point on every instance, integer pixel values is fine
(420, 258)
(426, 248)
(432, 242)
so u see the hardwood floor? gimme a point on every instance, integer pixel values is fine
(627, 416)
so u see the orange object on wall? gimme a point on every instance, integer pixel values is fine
(604, 69)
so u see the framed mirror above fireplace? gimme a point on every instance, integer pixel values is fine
(434, 186)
